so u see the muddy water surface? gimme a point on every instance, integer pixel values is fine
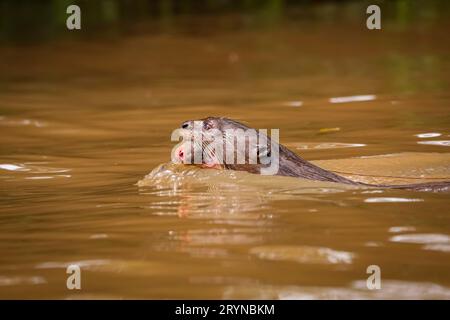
(82, 122)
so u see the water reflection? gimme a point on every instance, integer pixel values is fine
(421, 238)
(6, 121)
(428, 135)
(85, 264)
(30, 171)
(397, 229)
(14, 281)
(226, 195)
(293, 103)
(444, 143)
(357, 98)
(357, 290)
(303, 254)
(387, 199)
(31, 168)
(324, 145)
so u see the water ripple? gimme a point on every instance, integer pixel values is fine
(303, 254)
(359, 98)
(14, 281)
(391, 199)
(325, 145)
(443, 143)
(425, 238)
(428, 135)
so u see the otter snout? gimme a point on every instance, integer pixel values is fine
(179, 155)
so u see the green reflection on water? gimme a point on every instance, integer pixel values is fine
(29, 20)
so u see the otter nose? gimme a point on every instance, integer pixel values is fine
(187, 125)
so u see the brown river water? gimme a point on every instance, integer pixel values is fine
(82, 122)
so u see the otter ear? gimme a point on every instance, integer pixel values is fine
(208, 124)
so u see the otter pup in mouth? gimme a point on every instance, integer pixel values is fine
(222, 143)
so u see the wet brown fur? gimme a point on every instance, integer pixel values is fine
(293, 165)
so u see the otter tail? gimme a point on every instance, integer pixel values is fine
(435, 186)
(441, 186)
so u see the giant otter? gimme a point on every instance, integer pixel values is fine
(290, 164)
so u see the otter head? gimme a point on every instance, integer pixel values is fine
(223, 143)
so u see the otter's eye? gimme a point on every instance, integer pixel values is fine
(207, 125)
(186, 125)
